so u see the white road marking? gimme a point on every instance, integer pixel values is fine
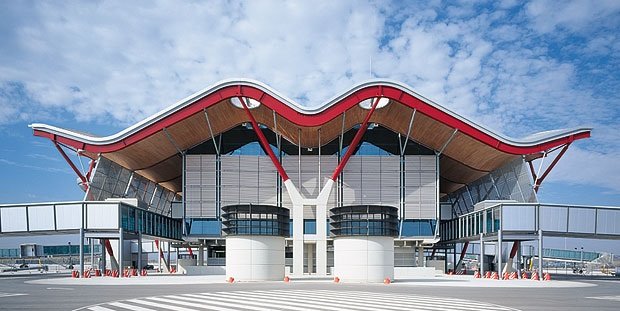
(2, 295)
(615, 298)
(130, 307)
(299, 300)
(60, 288)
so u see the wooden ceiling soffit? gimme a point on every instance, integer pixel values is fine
(144, 153)
(163, 171)
(458, 172)
(476, 154)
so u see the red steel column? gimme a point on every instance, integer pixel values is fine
(356, 140)
(263, 141)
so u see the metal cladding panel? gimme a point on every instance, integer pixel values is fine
(68, 217)
(14, 219)
(41, 217)
(200, 186)
(267, 181)
(420, 187)
(102, 216)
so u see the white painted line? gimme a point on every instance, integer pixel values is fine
(430, 303)
(614, 298)
(223, 301)
(129, 307)
(158, 305)
(99, 308)
(60, 288)
(310, 299)
(3, 295)
(283, 303)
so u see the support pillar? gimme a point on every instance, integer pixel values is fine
(298, 239)
(499, 254)
(121, 256)
(518, 259)
(168, 257)
(81, 252)
(540, 254)
(102, 262)
(140, 265)
(481, 255)
(92, 253)
(454, 258)
(201, 255)
(421, 256)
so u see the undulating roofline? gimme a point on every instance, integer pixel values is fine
(304, 116)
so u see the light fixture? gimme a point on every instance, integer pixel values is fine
(310, 149)
(367, 104)
(249, 102)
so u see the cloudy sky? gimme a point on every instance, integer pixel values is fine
(518, 68)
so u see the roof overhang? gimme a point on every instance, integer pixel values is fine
(151, 147)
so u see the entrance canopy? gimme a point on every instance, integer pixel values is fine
(152, 147)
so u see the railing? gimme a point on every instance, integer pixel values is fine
(65, 217)
(553, 219)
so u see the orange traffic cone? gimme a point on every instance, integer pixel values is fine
(286, 279)
(535, 276)
(477, 274)
(336, 280)
(230, 280)
(547, 276)
(387, 281)
(487, 275)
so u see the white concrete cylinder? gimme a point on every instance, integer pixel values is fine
(364, 258)
(255, 258)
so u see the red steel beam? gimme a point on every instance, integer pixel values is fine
(548, 170)
(90, 170)
(263, 141)
(75, 169)
(355, 142)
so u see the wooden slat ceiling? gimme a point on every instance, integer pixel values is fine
(157, 158)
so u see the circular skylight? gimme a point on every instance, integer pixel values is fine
(251, 103)
(367, 104)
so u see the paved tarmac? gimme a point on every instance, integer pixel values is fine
(48, 292)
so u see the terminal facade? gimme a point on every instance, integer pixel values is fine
(373, 179)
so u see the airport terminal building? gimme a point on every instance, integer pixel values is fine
(376, 178)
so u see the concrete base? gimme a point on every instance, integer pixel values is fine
(255, 258)
(364, 258)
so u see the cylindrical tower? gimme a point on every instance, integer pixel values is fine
(364, 242)
(255, 241)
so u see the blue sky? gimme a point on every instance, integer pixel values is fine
(516, 67)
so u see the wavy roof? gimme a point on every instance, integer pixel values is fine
(150, 145)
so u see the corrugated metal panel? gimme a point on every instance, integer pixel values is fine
(420, 187)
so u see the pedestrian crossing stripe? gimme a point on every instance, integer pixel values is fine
(297, 300)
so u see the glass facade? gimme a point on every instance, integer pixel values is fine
(111, 180)
(148, 223)
(364, 220)
(250, 219)
(510, 182)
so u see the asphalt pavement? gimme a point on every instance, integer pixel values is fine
(21, 293)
